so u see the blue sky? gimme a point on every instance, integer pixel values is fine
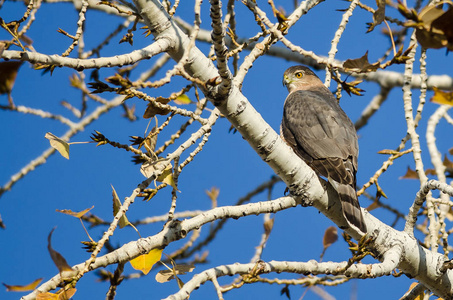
(227, 161)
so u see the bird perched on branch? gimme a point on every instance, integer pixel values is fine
(320, 133)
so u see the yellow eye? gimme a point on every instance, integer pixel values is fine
(299, 75)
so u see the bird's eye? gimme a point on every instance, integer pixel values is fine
(299, 75)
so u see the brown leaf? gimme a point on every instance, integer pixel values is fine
(57, 258)
(410, 174)
(360, 65)
(330, 237)
(379, 15)
(448, 163)
(444, 23)
(75, 214)
(152, 110)
(23, 288)
(430, 172)
(435, 27)
(8, 74)
(373, 206)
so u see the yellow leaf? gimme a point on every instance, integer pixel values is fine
(60, 295)
(58, 144)
(182, 99)
(145, 262)
(23, 288)
(167, 177)
(441, 97)
(73, 213)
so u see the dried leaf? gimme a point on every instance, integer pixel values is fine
(379, 15)
(444, 23)
(75, 214)
(447, 163)
(410, 174)
(430, 172)
(60, 295)
(441, 97)
(373, 206)
(58, 144)
(152, 110)
(145, 262)
(147, 169)
(23, 288)
(360, 65)
(123, 222)
(330, 237)
(8, 74)
(167, 177)
(434, 29)
(167, 275)
(285, 291)
(57, 258)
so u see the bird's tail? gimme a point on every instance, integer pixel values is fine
(350, 206)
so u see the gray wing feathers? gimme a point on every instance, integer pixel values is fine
(320, 132)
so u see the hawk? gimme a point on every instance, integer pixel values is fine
(320, 133)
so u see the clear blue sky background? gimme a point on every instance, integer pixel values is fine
(227, 161)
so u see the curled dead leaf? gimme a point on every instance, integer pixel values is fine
(360, 65)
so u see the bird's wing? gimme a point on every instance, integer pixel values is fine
(321, 133)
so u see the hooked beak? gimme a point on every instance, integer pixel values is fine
(285, 81)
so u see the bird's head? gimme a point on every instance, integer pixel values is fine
(300, 78)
